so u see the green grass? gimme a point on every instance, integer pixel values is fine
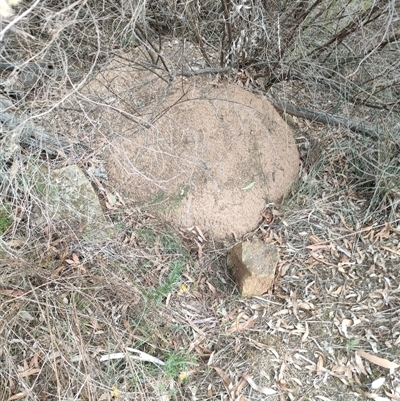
(5, 219)
(147, 235)
(163, 202)
(171, 282)
(171, 244)
(178, 363)
(352, 344)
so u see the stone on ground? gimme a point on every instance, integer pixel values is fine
(253, 264)
(68, 201)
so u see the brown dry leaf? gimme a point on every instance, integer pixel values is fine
(314, 239)
(225, 380)
(384, 363)
(196, 343)
(385, 232)
(109, 206)
(18, 396)
(293, 300)
(237, 345)
(239, 386)
(278, 238)
(213, 290)
(197, 294)
(307, 306)
(319, 246)
(367, 229)
(390, 250)
(57, 271)
(14, 243)
(343, 220)
(282, 371)
(199, 250)
(254, 386)
(200, 233)
(320, 365)
(392, 396)
(25, 367)
(319, 259)
(349, 323)
(357, 379)
(281, 312)
(283, 387)
(34, 363)
(336, 292)
(360, 364)
(250, 322)
(29, 372)
(339, 369)
(306, 333)
(75, 258)
(105, 397)
(12, 293)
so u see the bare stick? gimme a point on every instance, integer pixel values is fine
(325, 118)
(12, 23)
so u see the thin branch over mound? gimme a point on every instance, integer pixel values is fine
(325, 118)
(193, 72)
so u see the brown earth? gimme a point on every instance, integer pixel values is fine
(207, 154)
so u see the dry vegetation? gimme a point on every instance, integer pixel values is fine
(152, 313)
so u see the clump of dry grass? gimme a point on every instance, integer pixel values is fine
(63, 313)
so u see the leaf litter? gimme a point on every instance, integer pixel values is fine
(330, 327)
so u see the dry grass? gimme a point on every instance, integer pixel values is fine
(66, 305)
(157, 291)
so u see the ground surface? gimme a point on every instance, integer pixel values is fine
(74, 322)
(153, 314)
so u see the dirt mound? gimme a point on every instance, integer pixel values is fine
(211, 156)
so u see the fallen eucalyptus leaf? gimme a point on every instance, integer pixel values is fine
(247, 187)
(384, 363)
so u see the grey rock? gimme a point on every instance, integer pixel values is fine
(253, 265)
(68, 200)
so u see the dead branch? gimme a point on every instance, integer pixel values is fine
(325, 118)
(190, 73)
(29, 134)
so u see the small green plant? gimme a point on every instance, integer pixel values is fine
(171, 244)
(146, 234)
(5, 219)
(352, 343)
(163, 202)
(177, 363)
(170, 283)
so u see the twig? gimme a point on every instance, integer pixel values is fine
(228, 28)
(217, 70)
(12, 23)
(147, 42)
(31, 135)
(325, 118)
